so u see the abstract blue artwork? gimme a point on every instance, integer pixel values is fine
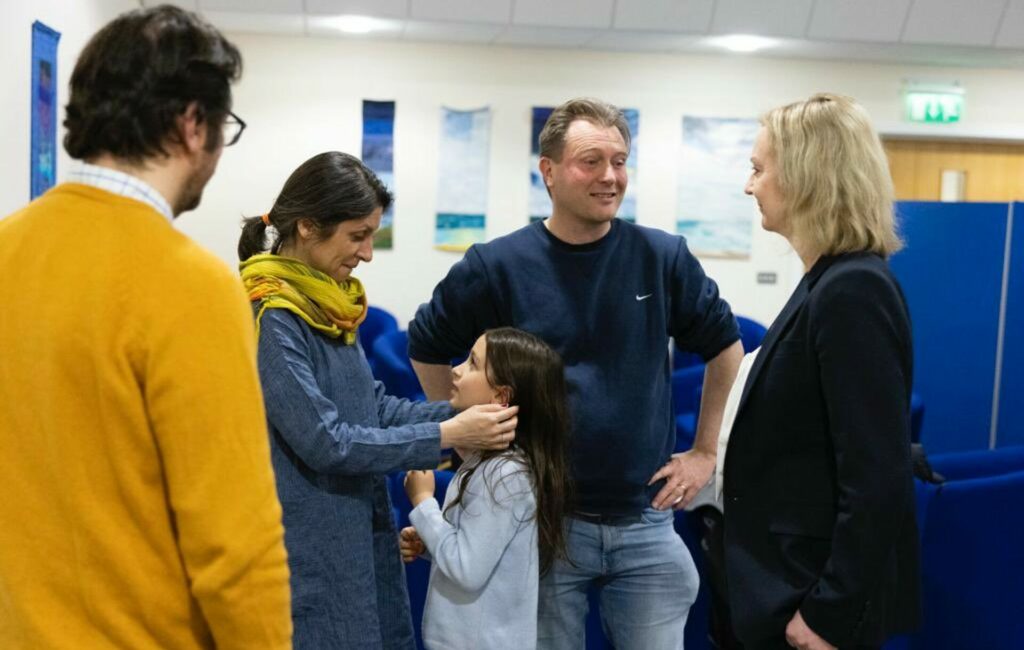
(43, 147)
(713, 213)
(378, 155)
(462, 178)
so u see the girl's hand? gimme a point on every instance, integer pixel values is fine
(419, 485)
(410, 544)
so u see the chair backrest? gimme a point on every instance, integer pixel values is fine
(686, 385)
(916, 417)
(978, 463)
(392, 365)
(751, 335)
(378, 321)
(972, 556)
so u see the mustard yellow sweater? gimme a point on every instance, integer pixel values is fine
(137, 501)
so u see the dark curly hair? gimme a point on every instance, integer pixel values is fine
(138, 74)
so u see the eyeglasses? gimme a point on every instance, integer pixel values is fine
(233, 127)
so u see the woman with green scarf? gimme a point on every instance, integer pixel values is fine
(334, 433)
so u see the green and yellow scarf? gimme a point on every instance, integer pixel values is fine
(333, 308)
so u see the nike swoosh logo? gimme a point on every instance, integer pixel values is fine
(639, 298)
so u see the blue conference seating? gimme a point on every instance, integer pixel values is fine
(392, 365)
(972, 556)
(687, 384)
(378, 321)
(979, 463)
(751, 335)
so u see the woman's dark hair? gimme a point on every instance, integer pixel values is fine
(138, 74)
(326, 189)
(534, 374)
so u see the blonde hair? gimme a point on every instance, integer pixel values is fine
(834, 176)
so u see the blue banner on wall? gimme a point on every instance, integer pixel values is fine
(462, 178)
(43, 147)
(540, 202)
(712, 211)
(378, 155)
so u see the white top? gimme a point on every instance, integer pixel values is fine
(122, 184)
(711, 494)
(485, 573)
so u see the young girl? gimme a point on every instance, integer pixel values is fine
(501, 527)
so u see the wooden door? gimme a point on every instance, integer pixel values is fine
(994, 171)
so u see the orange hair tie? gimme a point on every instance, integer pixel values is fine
(266, 219)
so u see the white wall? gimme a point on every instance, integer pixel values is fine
(302, 96)
(76, 21)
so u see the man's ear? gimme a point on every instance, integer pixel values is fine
(192, 125)
(545, 170)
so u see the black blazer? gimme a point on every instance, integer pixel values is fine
(819, 496)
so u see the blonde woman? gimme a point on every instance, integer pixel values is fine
(820, 540)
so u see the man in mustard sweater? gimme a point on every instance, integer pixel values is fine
(138, 506)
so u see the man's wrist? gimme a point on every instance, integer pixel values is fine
(701, 450)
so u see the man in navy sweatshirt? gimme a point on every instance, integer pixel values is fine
(607, 295)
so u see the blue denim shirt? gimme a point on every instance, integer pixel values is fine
(334, 434)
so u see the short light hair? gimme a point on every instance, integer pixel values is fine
(595, 111)
(834, 176)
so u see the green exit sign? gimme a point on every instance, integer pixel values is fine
(934, 107)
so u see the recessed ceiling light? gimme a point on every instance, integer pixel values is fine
(351, 24)
(743, 42)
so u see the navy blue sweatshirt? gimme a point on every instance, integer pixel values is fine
(608, 308)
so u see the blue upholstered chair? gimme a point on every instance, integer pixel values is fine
(392, 365)
(687, 384)
(978, 463)
(378, 321)
(972, 556)
(916, 417)
(751, 335)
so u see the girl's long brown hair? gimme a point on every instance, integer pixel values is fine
(536, 378)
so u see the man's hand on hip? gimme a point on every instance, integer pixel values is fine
(685, 474)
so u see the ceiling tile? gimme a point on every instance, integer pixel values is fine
(467, 11)
(190, 5)
(257, 23)
(381, 8)
(954, 22)
(253, 6)
(545, 36)
(442, 32)
(664, 15)
(620, 40)
(785, 18)
(1011, 32)
(582, 14)
(858, 20)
